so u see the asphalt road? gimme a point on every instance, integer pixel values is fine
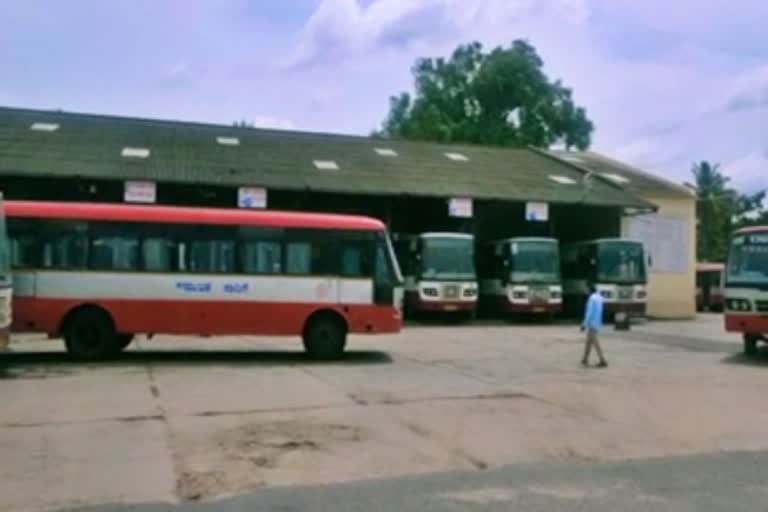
(722, 482)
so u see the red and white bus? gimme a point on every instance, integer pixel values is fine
(98, 274)
(746, 286)
(521, 276)
(439, 273)
(5, 283)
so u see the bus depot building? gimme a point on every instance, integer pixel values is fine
(413, 187)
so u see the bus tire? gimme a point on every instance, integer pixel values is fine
(89, 334)
(123, 340)
(750, 344)
(325, 336)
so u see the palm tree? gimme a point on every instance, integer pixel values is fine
(714, 209)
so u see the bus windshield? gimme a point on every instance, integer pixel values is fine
(748, 261)
(621, 262)
(447, 258)
(535, 261)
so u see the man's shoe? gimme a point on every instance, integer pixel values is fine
(602, 364)
(584, 363)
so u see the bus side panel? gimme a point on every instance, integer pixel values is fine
(202, 304)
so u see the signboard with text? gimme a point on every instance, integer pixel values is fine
(252, 197)
(460, 207)
(140, 192)
(536, 212)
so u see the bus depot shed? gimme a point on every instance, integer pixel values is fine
(412, 186)
(668, 234)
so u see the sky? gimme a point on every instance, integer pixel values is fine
(666, 83)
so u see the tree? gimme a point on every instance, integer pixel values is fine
(500, 98)
(721, 209)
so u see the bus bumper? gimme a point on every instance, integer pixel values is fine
(755, 323)
(534, 309)
(633, 309)
(414, 303)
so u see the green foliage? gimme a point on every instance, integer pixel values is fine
(721, 209)
(500, 98)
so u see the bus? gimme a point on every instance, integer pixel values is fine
(439, 271)
(521, 276)
(618, 269)
(99, 274)
(709, 286)
(5, 283)
(746, 287)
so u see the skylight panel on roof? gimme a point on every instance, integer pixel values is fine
(457, 157)
(228, 141)
(616, 177)
(326, 165)
(572, 158)
(563, 180)
(385, 151)
(129, 152)
(44, 127)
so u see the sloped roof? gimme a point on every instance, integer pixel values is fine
(92, 146)
(631, 179)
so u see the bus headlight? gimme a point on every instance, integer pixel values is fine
(738, 305)
(470, 292)
(642, 294)
(556, 295)
(519, 295)
(430, 291)
(607, 294)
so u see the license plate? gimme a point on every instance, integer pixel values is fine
(538, 310)
(450, 307)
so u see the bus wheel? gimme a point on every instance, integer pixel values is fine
(325, 336)
(89, 334)
(750, 344)
(123, 340)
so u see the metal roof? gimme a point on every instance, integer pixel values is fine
(629, 178)
(90, 146)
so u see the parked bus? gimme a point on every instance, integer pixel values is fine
(616, 266)
(709, 286)
(439, 271)
(98, 274)
(746, 287)
(5, 283)
(521, 276)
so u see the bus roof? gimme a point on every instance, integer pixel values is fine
(445, 234)
(752, 229)
(602, 240)
(528, 239)
(187, 215)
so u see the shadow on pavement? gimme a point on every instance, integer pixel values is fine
(192, 358)
(761, 359)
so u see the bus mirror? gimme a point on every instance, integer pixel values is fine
(650, 261)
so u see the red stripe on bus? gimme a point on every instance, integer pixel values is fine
(182, 215)
(202, 317)
(750, 323)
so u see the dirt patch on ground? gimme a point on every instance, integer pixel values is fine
(241, 458)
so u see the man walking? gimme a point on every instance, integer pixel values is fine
(593, 322)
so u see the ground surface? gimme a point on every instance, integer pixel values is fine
(505, 410)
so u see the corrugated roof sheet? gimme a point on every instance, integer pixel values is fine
(90, 146)
(635, 181)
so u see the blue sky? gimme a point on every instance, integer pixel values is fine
(666, 83)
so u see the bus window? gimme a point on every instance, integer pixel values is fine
(25, 247)
(356, 259)
(159, 254)
(298, 258)
(261, 257)
(66, 246)
(211, 256)
(114, 253)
